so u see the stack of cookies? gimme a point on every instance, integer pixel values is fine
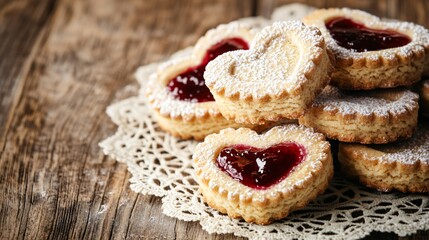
(368, 107)
(265, 95)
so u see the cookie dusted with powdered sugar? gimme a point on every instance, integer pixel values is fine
(376, 116)
(262, 178)
(369, 52)
(281, 73)
(402, 165)
(177, 93)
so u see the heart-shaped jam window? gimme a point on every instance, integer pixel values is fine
(357, 37)
(190, 85)
(260, 168)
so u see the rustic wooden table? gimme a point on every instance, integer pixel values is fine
(62, 62)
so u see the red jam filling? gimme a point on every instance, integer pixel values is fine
(260, 168)
(357, 37)
(190, 85)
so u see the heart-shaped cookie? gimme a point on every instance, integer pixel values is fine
(369, 52)
(182, 103)
(261, 178)
(402, 166)
(368, 117)
(286, 66)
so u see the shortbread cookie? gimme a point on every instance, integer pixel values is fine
(286, 66)
(261, 178)
(376, 116)
(182, 103)
(369, 52)
(402, 165)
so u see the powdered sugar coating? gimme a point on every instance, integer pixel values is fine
(167, 105)
(408, 151)
(206, 152)
(417, 33)
(383, 103)
(279, 59)
(160, 97)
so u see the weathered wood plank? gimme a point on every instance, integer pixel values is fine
(55, 181)
(21, 32)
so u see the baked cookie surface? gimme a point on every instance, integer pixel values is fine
(369, 52)
(261, 178)
(368, 117)
(281, 73)
(402, 166)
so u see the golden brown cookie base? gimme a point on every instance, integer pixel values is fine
(365, 130)
(368, 117)
(305, 183)
(270, 210)
(358, 77)
(252, 111)
(199, 128)
(385, 176)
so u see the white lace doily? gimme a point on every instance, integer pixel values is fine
(161, 165)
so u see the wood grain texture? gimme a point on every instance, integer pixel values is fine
(55, 182)
(63, 62)
(21, 32)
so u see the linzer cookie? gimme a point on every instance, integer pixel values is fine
(402, 165)
(183, 104)
(261, 178)
(376, 116)
(369, 52)
(281, 73)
